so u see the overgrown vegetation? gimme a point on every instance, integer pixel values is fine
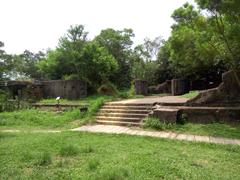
(157, 124)
(183, 126)
(204, 42)
(191, 94)
(7, 104)
(64, 156)
(35, 118)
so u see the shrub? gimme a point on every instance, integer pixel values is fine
(88, 149)
(10, 105)
(93, 164)
(182, 119)
(68, 150)
(118, 173)
(44, 159)
(108, 89)
(131, 91)
(155, 123)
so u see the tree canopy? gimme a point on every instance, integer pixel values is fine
(204, 42)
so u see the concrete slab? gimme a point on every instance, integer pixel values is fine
(153, 99)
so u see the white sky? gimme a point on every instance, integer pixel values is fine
(38, 24)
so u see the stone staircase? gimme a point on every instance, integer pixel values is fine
(129, 114)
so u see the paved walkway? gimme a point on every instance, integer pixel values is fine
(154, 99)
(160, 134)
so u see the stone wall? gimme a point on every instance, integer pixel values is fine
(179, 86)
(69, 89)
(226, 94)
(173, 87)
(141, 87)
(163, 88)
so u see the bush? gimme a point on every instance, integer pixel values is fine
(108, 89)
(68, 150)
(10, 105)
(182, 119)
(44, 159)
(93, 164)
(155, 123)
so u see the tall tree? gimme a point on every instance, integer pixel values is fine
(224, 21)
(6, 64)
(118, 43)
(78, 58)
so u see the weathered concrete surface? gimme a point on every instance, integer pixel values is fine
(161, 88)
(229, 115)
(179, 86)
(69, 89)
(141, 87)
(166, 115)
(226, 94)
(174, 100)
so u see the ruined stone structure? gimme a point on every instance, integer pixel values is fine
(164, 88)
(179, 86)
(141, 87)
(69, 89)
(226, 94)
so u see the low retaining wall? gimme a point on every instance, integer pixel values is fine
(203, 115)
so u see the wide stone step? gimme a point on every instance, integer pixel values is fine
(130, 115)
(124, 111)
(127, 107)
(118, 123)
(125, 119)
(128, 104)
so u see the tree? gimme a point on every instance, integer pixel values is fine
(192, 45)
(224, 21)
(118, 44)
(148, 51)
(78, 58)
(25, 64)
(6, 64)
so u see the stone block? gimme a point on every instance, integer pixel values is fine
(166, 115)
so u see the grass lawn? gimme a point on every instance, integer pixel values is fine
(214, 129)
(86, 100)
(35, 119)
(191, 94)
(74, 155)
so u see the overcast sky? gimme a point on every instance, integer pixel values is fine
(38, 24)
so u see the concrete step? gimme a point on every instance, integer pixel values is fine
(128, 104)
(131, 115)
(118, 123)
(125, 119)
(124, 111)
(127, 107)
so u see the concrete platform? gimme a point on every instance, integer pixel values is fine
(165, 100)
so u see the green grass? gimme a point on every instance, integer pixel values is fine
(34, 118)
(87, 100)
(101, 156)
(213, 129)
(191, 94)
